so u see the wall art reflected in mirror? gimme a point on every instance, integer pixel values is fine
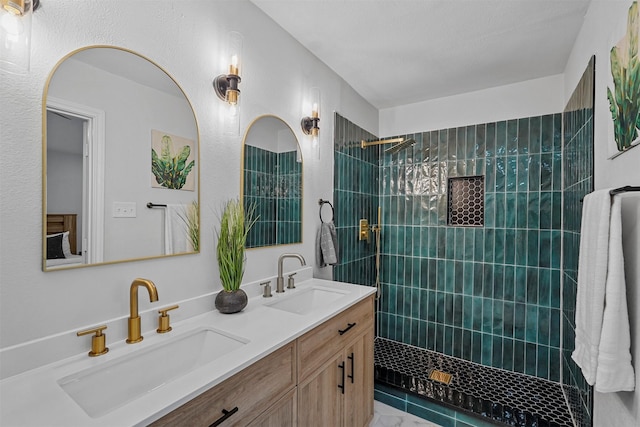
(272, 182)
(121, 161)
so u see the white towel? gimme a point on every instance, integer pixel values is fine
(327, 245)
(602, 321)
(175, 235)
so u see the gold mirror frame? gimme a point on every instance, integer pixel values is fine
(295, 194)
(144, 206)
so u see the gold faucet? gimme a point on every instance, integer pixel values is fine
(134, 319)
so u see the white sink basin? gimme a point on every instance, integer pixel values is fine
(308, 300)
(105, 387)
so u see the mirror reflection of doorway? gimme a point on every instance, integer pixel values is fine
(74, 178)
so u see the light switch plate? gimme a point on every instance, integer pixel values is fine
(124, 209)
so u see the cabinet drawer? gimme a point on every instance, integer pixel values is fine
(321, 343)
(252, 391)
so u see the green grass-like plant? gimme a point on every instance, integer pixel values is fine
(171, 172)
(191, 219)
(232, 236)
(624, 101)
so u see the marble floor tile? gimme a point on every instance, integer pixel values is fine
(388, 416)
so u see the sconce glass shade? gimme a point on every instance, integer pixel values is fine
(226, 85)
(15, 35)
(309, 123)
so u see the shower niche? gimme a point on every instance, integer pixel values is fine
(465, 201)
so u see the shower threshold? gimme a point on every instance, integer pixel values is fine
(495, 395)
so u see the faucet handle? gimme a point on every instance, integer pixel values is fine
(163, 320)
(291, 282)
(267, 289)
(98, 347)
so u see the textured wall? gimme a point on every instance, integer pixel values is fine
(187, 39)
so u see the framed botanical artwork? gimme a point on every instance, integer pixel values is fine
(172, 161)
(624, 92)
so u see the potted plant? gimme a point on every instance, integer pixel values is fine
(235, 224)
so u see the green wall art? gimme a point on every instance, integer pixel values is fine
(172, 167)
(624, 100)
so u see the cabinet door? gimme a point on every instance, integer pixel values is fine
(320, 397)
(281, 414)
(358, 403)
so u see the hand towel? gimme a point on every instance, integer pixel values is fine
(175, 234)
(615, 372)
(600, 312)
(327, 245)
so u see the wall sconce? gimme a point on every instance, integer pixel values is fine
(310, 123)
(15, 34)
(226, 85)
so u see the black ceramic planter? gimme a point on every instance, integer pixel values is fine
(231, 302)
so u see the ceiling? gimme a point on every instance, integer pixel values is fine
(398, 52)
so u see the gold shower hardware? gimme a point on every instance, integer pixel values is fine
(364, 230)
(365, 144)
(441, 377)
(163, 321)
(97, 341)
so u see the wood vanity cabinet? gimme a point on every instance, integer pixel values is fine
(259, 395)
(335, 370)
(332, 366)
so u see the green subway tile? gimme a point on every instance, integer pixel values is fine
(468, 278)
(523, 136)
(499, 246)
(533, 247)
(450, 243)
(466, 344)
(489, 245)
(487, 315)
(519, 322)
(521, 247)
(459, 243)
(433, 274)
(544, 321)
(497, 320)
(511, 179)
(478, 244)
(477, 314)
(496, 141)
(518, 356)
(468, 244)
(534, 172)
(467, 312)
(458, 302)
(487, 288)
(520, 284)
(523, 173)
(448, 340)
(440, 308)
(458, 281)
(487, 349)
(544, 287)
(498, 282)
(531, 324)
(512, 137)
(535, 135)
(431, 304)
(522, 208)
(507, 354)
(478, 274)
(531, 359)
(442, 276)
(543, 362)
(554, 327)
(476, 347)
(476, 141)
(508, 319)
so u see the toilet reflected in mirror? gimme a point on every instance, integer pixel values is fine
(119, 133)
(272, 182)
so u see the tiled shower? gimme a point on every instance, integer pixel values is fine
(488, 295)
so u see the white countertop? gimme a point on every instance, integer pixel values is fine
(34, 398)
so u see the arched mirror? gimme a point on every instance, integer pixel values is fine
(121, 161)
(272, 182)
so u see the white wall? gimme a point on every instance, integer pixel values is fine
(186, 39)
(605, 24)
(525, 99)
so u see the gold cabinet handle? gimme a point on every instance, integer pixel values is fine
(98, 341)
(163, 321)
